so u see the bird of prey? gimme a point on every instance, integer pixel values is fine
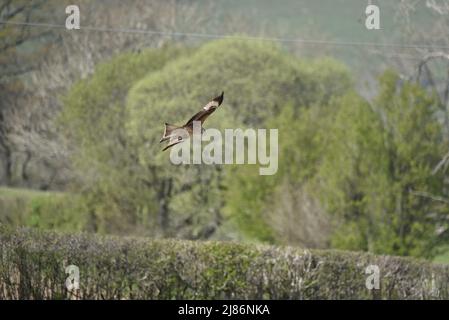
(170, 129)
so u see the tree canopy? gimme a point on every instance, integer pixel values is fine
(353, 174)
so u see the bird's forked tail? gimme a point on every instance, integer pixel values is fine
(168, 131)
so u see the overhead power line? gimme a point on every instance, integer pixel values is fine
(220, 36)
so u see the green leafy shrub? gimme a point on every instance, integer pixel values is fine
(32, 266)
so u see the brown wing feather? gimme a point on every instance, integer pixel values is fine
(205, 115)
(207, 110)
(200, 116)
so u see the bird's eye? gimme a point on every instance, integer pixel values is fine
(179, 138)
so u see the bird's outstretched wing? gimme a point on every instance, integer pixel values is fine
(207, 110)
(200, 116)
(174, 136)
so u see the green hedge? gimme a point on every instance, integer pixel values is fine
(33, 267)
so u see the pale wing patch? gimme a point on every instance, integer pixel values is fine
(211, 105)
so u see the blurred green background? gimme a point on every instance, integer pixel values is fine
(363, 128)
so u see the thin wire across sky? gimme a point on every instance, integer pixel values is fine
(220, 36)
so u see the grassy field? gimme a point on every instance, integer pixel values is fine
(41, 209)
(15, 193)
(443, 258)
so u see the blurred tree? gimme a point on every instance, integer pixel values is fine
(38, 64)
(352, 175)
(14, 57)
(282, 208)
(93, 120)
(377, 168)
(20, 49)
(128, 181)
(258, 78)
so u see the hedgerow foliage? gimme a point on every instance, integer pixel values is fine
(32, 266)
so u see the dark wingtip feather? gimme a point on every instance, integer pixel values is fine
(219, 99)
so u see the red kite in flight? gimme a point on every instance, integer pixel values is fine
(201, 116)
